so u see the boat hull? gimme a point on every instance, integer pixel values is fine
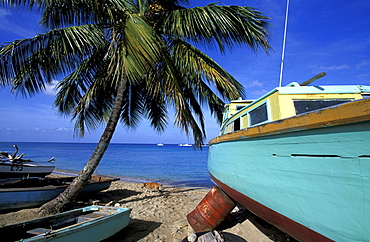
(99, 224)
(9, 170)
(310, 183)
(25, 197)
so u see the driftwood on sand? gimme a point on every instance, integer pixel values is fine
(14, 158)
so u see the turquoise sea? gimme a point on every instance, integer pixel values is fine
(170, 164)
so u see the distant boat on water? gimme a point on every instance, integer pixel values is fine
(299, 158)
(185, 145)
(160, 144)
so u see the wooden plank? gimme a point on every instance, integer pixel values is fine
(38, 231)
(90, 216)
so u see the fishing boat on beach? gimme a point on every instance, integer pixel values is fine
(25, 169)
(25, 193)
(14, 165)
(299, 158)
(92, 223)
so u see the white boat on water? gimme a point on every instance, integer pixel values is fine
(185, 145)
(160, 144)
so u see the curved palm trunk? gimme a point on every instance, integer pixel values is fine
(64, 199)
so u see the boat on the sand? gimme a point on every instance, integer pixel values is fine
(14, 165)
(299, 158)
(92, 223)
(25, 193)
(25, 169)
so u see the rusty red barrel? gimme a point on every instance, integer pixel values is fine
(211, 211)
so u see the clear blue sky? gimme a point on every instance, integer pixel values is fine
(331, 36)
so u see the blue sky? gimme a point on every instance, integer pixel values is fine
(331, 36)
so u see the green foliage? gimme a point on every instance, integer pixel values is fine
(149, 45)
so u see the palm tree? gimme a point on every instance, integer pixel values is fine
(125, 60)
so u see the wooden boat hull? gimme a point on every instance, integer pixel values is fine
(307, 175)
(15, 196)
(93, 223)
(9, 170)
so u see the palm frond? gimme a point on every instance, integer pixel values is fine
(167, 80)
(155, 110)
(87, 94)
(135, 49)
(60, 13)
(224, 26)
(198, 66)
(90, 74)
(32, 62)
(132, 110)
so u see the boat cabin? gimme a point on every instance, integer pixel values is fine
(288, 101)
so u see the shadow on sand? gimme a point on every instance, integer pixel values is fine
(137, 229)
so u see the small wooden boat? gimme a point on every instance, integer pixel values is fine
(299, 158)
(24, 193)
(93, 223)
(25, 169)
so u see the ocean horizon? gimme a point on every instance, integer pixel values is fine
(169, 164)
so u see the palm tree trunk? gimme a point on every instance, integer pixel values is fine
(64, 199)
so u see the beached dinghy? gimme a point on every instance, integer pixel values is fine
(299, 158)
(24, 193)
(93, 223)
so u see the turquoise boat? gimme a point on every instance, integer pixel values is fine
(92, 223)
(299, 158)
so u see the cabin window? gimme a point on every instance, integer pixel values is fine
(237, 124)
(303, 106)
(258, 115)
(239, 107)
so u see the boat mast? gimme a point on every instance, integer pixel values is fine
(284, 40)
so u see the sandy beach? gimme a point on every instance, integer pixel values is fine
(160, 215)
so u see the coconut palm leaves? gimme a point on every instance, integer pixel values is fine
(225, 26)
(149, 44)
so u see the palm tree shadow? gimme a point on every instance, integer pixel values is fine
(135, 230)
(119, 193)
(232, 237)
(109, 196)
(269, 230)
